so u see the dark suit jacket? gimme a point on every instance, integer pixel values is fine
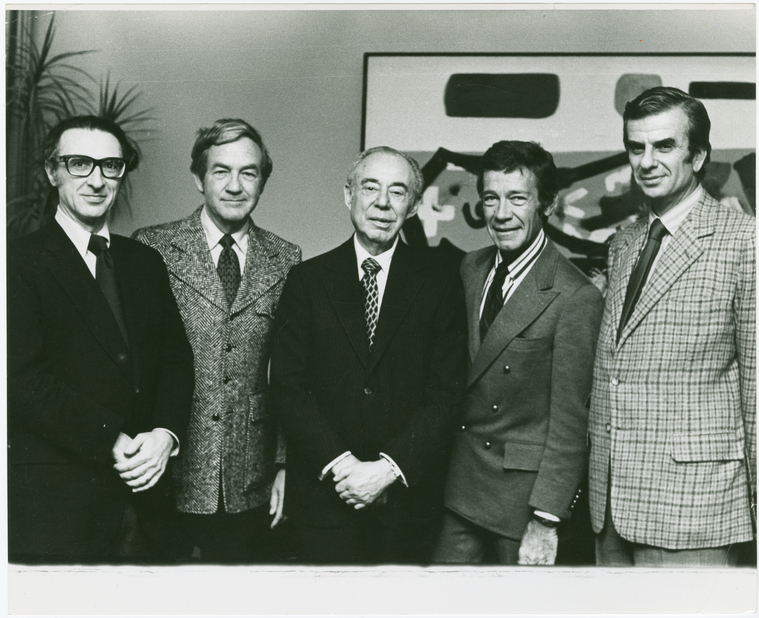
(231, 433)
(73, 385)
(522, 443)
(331, 395)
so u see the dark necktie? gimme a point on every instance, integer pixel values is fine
(494, 300)
(640, 272)
(229, 268)
(371, 297)
(107, 279)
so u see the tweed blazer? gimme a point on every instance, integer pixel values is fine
(673, 409)
(231, 432)
(522, 441)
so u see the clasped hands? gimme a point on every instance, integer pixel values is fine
(141, 461)
(361, 483)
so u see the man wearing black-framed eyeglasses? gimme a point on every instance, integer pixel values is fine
(99, 370)
(82, 166)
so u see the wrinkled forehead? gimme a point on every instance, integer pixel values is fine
(89, 142)
(672, 123)
(385, 167)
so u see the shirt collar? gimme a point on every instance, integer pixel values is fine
(214, 234)
(383, 259)
(674, 217)
(525, 256)
(76, 233)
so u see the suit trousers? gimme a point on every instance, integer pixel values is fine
(614, 551)
(464, 542)
(365, 541)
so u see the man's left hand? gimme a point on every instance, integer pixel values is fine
(366, 481)
(277, 500)
(145, 460)
(539, 544)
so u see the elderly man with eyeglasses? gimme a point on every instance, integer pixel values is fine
(100, 374)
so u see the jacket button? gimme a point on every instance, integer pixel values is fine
(229, 347)
(495, 409)
(506, 369)
(614, 382)
(608, 427)
(137, 391)
(226, 379)
(121, 357)
(488, 445)
(215, 417)
(463, 428)
(367, 391)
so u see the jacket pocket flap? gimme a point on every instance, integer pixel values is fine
(705, 447)
(258, 405)
(522, 456)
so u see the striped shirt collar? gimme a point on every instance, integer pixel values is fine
(525, 260)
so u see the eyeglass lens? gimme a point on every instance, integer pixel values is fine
(80, 165)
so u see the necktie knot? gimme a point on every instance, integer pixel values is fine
(97, 244)
(370, 266)
(657, 231)
(227, 241)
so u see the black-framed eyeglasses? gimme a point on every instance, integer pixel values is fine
(82, 166)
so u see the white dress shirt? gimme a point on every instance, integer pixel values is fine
(214, 236)
(81, 239)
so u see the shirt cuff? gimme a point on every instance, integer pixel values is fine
(547, 516)
(175, 450)
(396, 470)
(333, 463)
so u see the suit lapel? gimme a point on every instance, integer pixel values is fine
(682, 251)
(627, 255)
(527, 302)
(474, 281)
(262, 270)
(403, 283)
(68, 267)
(344, 291)
(191, 261)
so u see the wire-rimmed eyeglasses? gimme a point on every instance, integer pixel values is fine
(82, 166)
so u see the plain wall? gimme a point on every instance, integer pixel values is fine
(297, 77)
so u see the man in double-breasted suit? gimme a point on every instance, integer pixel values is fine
(367, 371)
(673, 410)
(227, 275)
(520, 452)
(99, 370)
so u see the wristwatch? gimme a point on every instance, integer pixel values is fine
(548, 523)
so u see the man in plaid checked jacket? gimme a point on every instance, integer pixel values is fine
(673, 409)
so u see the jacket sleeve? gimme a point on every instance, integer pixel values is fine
(565, 457)
(421, 447)
(745, 343)
(293, 403)
(39, 401)
(176, 378)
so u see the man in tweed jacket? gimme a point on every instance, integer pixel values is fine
(231, 473)
(673, 407)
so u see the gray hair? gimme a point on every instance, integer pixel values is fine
(417, 187)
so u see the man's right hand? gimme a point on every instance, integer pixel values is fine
(118, 448)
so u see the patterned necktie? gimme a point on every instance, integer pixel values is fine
(229, 268)
(494, 301)
(640, 272)
(107, 279)
(371, 297)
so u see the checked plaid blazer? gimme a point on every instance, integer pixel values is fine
(230, 432)
(673, 407)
